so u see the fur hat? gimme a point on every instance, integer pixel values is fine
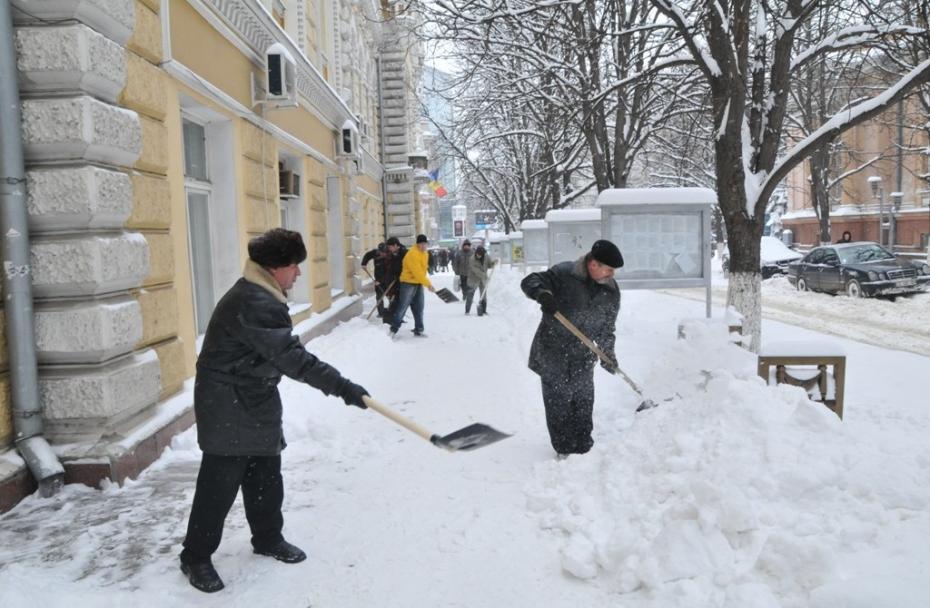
(277, 248)
(606, 253)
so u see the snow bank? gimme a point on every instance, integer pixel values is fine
(736, 495)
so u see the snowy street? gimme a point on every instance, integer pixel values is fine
(732, 495)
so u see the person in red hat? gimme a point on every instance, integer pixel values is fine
(585, 292)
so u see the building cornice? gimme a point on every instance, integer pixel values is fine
(251, 29)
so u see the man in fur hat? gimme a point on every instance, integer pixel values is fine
(248, 346)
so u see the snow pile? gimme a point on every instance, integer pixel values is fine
(736, 495)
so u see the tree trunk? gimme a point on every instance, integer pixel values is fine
(744, 238)
(820, 196)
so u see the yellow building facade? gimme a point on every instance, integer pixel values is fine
(159, 137)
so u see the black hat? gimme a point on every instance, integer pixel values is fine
(466, 242)
(606, 253)
(421, 238)
(392, 241)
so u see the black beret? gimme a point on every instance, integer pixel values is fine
(606, 253)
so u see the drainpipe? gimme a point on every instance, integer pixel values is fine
(384, 200)
(17, 278)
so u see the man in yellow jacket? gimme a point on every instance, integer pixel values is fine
(413, 278)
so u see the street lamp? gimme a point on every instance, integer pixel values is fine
(875, 183)
(896, 198)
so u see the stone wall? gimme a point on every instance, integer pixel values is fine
(93, 106)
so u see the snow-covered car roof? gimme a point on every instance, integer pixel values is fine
(773, 250)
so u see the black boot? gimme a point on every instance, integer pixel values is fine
(203, 576)
(283, 552)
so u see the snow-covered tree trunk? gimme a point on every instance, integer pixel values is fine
(745, 295)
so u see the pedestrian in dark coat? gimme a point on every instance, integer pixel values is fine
(392, 270)
(478, 265)
(586, 293)
(248, 346)
(381, 257)
(460, 264)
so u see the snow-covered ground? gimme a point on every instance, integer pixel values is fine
(902, 324)
(731, 494)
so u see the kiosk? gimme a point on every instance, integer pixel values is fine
(535, 242)
(572, 232)
(663, 234)
(516, 247)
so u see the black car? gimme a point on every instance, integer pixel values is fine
(860, 269)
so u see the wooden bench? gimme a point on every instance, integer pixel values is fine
(824, 362)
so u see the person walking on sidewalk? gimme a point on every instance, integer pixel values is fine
(478, 266)
(586, 293)
(413, 278)
(248, 346)
(460, 265)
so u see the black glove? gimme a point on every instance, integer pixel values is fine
(611, 364)
(547, 302)
(352, 394)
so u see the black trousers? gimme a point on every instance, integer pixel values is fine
(379, 293)
(569, 401)
(218, 482)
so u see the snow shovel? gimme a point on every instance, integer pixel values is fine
(647, 403)
(446, 296)
(386, 301)
(483, 302)
(471, 437)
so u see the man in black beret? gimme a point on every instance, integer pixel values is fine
(585, 292)
(247, 347)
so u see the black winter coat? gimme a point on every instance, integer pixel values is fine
(393, 265)
(591, 306)
(382, 258)
(247, 348)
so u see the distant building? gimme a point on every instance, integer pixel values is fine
(902, 185)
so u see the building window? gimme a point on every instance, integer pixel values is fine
(198, 190)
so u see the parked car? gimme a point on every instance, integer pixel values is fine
(774, 257)
(861, 269)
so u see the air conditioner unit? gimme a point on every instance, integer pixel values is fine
(289, 184)
(348, 140)
(281, 73)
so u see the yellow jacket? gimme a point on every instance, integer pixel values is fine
(414, 267)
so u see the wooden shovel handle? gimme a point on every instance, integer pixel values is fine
(408, 424)
(597, 351)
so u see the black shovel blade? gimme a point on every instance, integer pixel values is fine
(648, 404)
(471, 437)
(446, 296)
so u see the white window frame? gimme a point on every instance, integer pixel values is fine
(335, 231)
(194, 185)
(220, 188)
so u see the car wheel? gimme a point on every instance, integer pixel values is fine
(802, 284)
(854, 289)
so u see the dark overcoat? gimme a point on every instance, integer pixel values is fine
(591, 306)
(248, 346)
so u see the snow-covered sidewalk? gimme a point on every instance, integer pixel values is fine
(733, 495)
